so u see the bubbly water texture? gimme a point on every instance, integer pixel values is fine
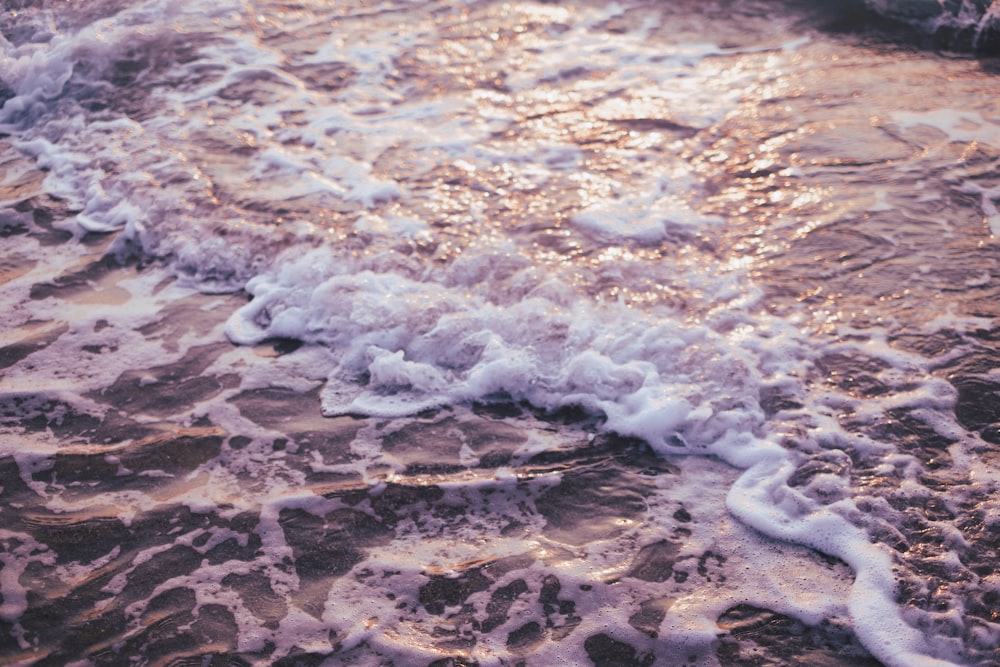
(631, 333)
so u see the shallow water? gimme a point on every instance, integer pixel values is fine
(480, 333)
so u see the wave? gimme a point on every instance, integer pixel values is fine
(562, 216)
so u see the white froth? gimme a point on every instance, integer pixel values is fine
(762, 500)
(648, 218)
(421, 345)
(391, 340)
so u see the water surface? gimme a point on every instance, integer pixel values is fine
(495, 333)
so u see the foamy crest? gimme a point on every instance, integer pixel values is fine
(404, 346)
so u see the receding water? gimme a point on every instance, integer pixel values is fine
(479, 333)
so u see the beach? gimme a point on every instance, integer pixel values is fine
(423, 333)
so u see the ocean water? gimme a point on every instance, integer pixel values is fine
(497, 333)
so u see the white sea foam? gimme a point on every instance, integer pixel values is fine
(393, 334)
(685, 389)
(422, 345)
